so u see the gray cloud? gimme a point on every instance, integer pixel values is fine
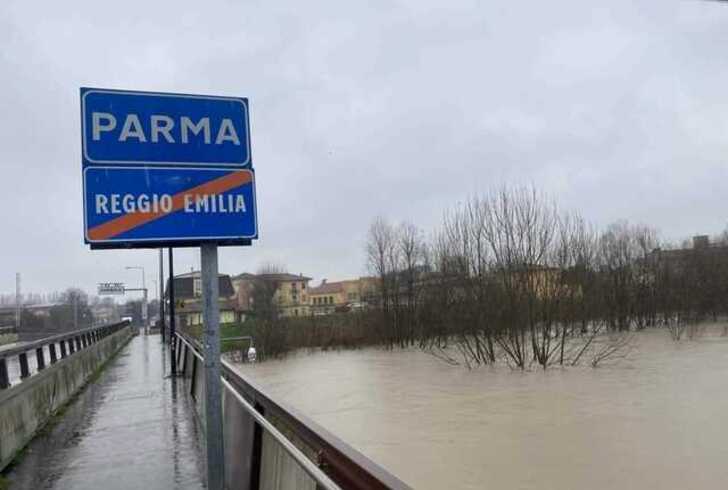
(394, 108)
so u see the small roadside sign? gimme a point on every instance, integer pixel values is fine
(111, 288)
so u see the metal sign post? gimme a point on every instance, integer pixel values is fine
(145, 311)
(213, 385)
(161, 293)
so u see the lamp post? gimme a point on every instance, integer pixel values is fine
(156, 288)
(161, 293)
(144, 290)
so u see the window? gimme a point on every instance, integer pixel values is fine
(197, 287)
(303, 285)
(227, 316)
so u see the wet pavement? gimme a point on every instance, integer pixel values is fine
(132, 428)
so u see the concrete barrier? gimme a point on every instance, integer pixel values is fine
(26, 407)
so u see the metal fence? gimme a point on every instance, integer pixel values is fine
(22, 360)
(271, 446)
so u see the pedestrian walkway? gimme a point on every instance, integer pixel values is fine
(131, 428)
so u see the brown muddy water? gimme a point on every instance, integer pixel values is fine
(657, 419)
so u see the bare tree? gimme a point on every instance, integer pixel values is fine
(412, 257)
(383, 257)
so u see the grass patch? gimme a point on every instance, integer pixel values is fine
(228, 330)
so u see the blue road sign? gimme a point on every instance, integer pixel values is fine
(170, 206)
(145, 128)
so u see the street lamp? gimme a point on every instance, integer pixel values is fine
(140, 268)
(144, 289)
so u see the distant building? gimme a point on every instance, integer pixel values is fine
(291, 296)
(35, 320)
(327, 297)
(341, 296)
(188, 299)
(703, 253)
(41, 310)
(544, 282)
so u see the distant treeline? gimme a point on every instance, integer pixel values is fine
(509, 277)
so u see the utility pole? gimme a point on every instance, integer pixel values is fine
(75, 310)
(213, 385)
(145, 304)
(17, 302)
(161, 292)
(144, 290)
(172, 320)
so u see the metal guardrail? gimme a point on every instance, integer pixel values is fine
(68, 343)
(337, 464)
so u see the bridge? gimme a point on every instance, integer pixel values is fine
(99, 408)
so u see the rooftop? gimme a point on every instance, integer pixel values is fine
(244, 275)
(283, 276)
(327, 288)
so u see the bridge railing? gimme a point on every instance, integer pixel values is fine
(22, 360)
(327, 461)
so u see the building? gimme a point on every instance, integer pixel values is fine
(293, 297)
(40, 310)
(291, 293)
(327, 297)
(341, 296)
(545, 282)
(188, 299)
(702, 255)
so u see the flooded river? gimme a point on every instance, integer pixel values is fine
(658, 419)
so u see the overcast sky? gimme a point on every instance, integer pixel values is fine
(393, 108)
